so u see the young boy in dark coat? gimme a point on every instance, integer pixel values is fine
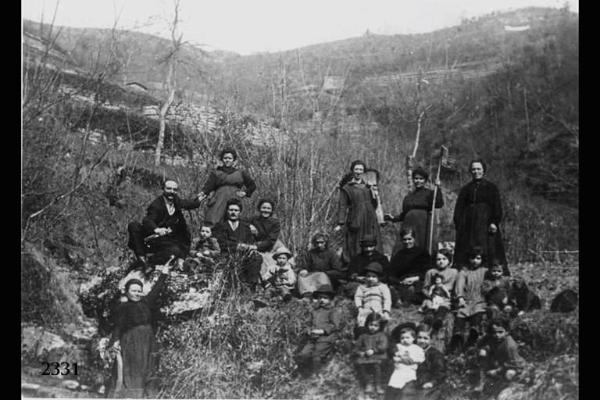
(430, 374)
(325, 324)
(499, 356)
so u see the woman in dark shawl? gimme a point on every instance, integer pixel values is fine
(226, 182)
(407, 269)
(133, 337)
(477, 217)
(416, 210)
(266, 228)
(357, 212)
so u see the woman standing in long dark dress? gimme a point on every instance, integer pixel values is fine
(357, 213)
(416, 210)
(477, 217)
(133, 336)
(226, 182)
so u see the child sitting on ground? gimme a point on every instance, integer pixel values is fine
(496, 289)
(407, 356)
(437, 303)
(280, 278)
(325, 324)
(430, 373)
(443, 262)
(372, 296)
(205, 250)
(499, 356)
(371, 351)
(471, 304)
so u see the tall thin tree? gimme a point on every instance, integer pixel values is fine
(171, 59)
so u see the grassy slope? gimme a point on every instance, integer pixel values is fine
(242, 352)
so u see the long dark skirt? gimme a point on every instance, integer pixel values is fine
(138, 349)
(474, 231)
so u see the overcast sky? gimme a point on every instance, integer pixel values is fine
(248, 26)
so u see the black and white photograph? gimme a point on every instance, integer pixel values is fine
(334, 199)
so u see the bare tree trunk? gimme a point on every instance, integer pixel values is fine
(410, 158)
(163, 115)
(171, 60)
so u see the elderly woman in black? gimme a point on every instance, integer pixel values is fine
(133, 337)
(477, 217)
(226, 182)
(407, 269)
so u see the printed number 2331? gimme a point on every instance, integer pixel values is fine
(63, 368)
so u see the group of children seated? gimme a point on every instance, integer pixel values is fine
(403, 358)
(480, 297)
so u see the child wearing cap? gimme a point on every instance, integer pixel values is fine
(281, 278)
(372, 295)
(322, 333)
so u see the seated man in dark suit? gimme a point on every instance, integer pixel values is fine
(163, 230)
(234, 237)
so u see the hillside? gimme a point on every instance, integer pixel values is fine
(508, 96)
(486, 39)
(127, 56)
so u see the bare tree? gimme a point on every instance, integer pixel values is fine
(171, 59)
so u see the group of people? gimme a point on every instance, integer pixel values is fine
(480, 297)
(468, 285)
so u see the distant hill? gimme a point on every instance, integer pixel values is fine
(473, 45)
(475, 42)
(127, 56)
